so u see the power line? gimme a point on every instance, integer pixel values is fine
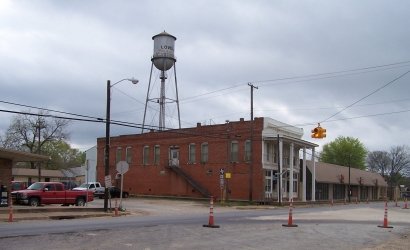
(318, 76)
(371, 93)
(50, 110)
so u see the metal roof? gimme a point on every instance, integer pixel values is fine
(331, 173)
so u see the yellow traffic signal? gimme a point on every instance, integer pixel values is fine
(315, 132)
(322, 133)
(318, 132)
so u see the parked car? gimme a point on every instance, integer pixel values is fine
(114, 193)
(68, 185)
(50, 193)
(18, 185)
(91, 186)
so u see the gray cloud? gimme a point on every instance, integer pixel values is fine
(59, 55)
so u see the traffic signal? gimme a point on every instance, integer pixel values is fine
(322, 133)
(315, 132)
(318, 132)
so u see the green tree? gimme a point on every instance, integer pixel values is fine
(345, 151)
(62, 155)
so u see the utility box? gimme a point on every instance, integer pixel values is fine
(4, 196)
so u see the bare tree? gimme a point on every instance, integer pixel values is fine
(31, 132)
(400, 160)
(378, 161)
(392, 165)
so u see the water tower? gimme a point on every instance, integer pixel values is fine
(163, 60)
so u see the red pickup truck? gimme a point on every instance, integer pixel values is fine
(50, 193)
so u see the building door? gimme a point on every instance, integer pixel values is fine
(174, 157)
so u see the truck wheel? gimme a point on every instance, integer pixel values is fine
(34, 202)
(80, 202)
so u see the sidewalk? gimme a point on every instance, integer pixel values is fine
(52, 212)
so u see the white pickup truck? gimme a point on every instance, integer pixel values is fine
(92, 186)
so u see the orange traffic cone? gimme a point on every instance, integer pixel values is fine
(405, 204)
(290, 219)
(385, 222)
(211, 215)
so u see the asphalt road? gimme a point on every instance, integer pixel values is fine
(168, 224)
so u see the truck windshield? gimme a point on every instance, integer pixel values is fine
(84, 185)
(36, 186)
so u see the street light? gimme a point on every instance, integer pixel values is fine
(107, 135)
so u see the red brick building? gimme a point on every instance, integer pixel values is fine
(190, 162)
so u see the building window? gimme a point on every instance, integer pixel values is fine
(128, 155)
(270, 153)
(247, 150)
(268, 181)
(286, 161)
(191, 153)
(295, 182)
(145, 155)
(338, 191)
(156, 155)
(275, 157)
(322, 191)
(118, 155)
(204, 152)
(234, 151)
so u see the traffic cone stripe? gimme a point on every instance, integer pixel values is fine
(405, 204)
(211, 223)
(290, 219)
(385, 221)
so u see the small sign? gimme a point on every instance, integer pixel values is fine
(107, 181)
(221, 171)
(222, 182)
(228, 175)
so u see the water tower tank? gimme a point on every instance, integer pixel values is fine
(164, 47)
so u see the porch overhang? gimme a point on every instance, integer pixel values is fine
(20, 156)
(298, 142)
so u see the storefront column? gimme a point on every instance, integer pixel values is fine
(290, 191)
(304, 175)
(281, 169)
(313, 176)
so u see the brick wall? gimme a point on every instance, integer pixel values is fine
(5, 172)
(160, 180)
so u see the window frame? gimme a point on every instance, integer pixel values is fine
(145, 155)
(234, 151)
(247, 149)
(157, 154)
(204, 152)
(191, 153)
(118, 155)
(128, 154)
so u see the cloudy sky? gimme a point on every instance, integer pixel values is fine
(341, 63)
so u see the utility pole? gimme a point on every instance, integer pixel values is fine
(251, 149)
(39, 127)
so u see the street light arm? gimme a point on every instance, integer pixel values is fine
(134, 81)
